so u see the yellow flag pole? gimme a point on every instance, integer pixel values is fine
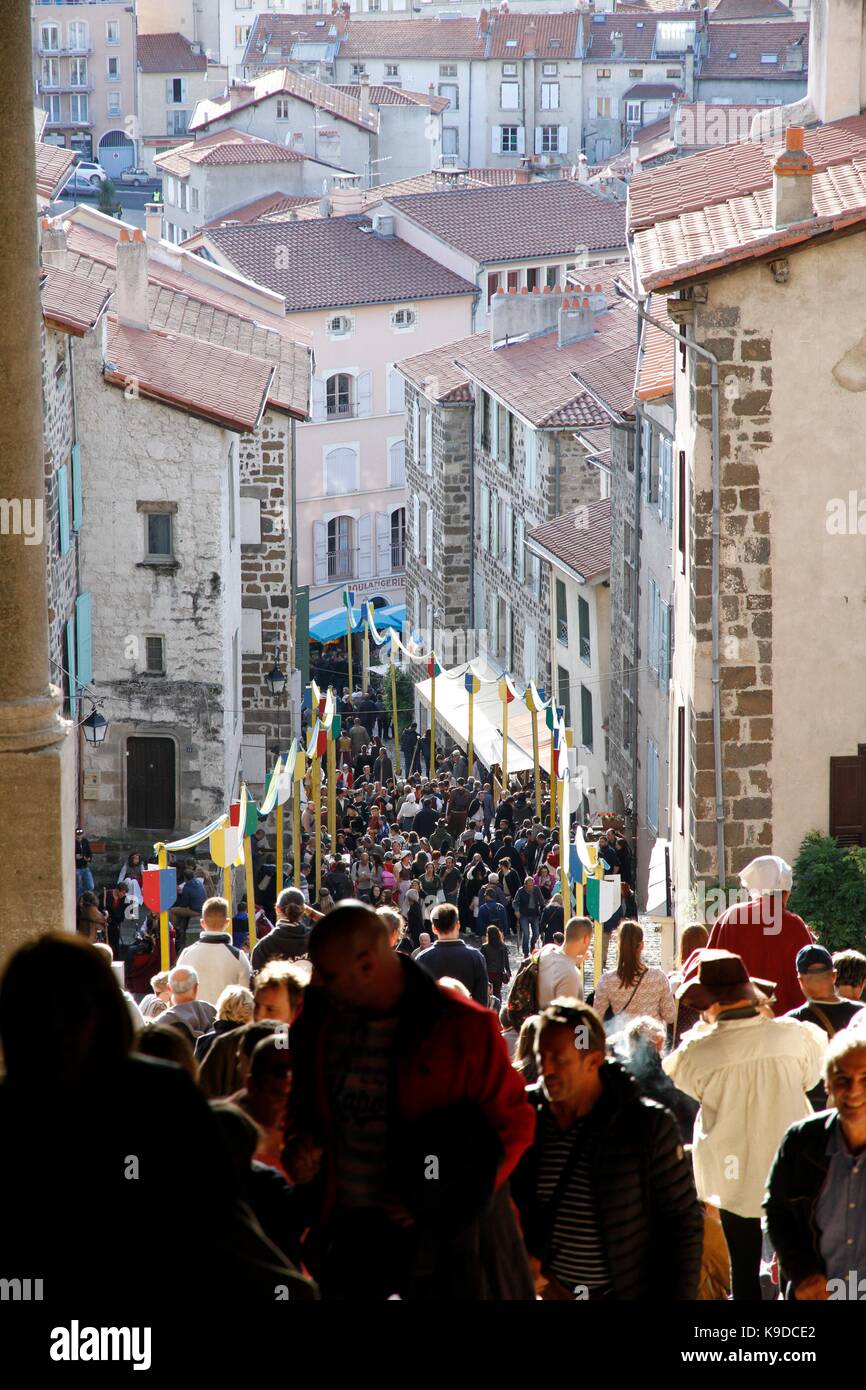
(164, 939)
(505, 742)
(279, 848)
(332, 790)
(433, 717)
(563, 855)
(536, 763)
(317, 810)
(365, 659)
(470, 744)
(349, 639)
(394, 713)
(553, 781)
(227, 886)
(251, 891)
(296, 830)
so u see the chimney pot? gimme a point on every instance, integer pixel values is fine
(794, 137)
(130, 286)
(153, 220)
(792, 182)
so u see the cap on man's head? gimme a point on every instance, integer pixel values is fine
(814, 960)
(767, 874)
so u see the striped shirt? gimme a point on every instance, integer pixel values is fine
(576, 1253)
(358, 1063)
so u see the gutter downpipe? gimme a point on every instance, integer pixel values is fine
(716, 468)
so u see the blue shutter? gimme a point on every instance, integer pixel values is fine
(70, 667)
(77, 489)
(83, 645)
(665, 646)
(63, 507)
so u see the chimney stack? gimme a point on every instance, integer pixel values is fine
(364, 98)
(130, 287)
(53, 243)
(153, 221)
(529, 313)
(616, 44)
(576, 320)
(347, 198)
(238, 94)
(792, 181)
(582, 168)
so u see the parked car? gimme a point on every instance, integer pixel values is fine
(137, 177)
(90, 170)
(79, 183)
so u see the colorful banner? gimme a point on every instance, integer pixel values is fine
(159, 888)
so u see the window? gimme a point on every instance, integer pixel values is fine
(519, 548)
(171, 189)
(392, 70)
(535, 575)
(563, 694)
(652, 784)
(653, 623)
(50, 73)
(113, 69)
(509, 69)
(494, 524)
(338, 396)
(154, 655)
(340, 552)
(242, 33)
(506, 549)
(673, 74)
(504, 427)
(175, 90)
(681, 764)
(603, 107)
(665, 475)
(158, 536)
(552, 276)
(509, 96)
(664, 646)
(374, 6)
(284, 109)
(650, 461)
(49, 38)
(112, 31)
(398, 539)
(184, 197)
(769, 58)
(358, 70)
(550, 96)
(451, 92)
(510, 139)
(402, 320)
(682, 509)
(396, 391)
(633, 112)
(339, 326)
(78, 72)
(113, 107)
(602, 74)
(635, 72)
(193, 199)
(397, 463)
(548, 139)
(549, 69)
(78, 36)
(561, 613)
(79, 109)
(586, 717)
(52, 107)
(484, 509)
(450, 140)
(177, 122)
(341, 471)
(627, 707)
(583, 630)
(447, 69)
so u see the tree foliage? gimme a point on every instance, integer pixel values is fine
(829, 891)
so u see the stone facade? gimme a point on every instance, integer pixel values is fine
(58, 428)
(624, 598)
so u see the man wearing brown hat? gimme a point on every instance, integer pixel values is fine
(750, 1073)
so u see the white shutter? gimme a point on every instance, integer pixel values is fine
(509, 537)
(365, 393)
(320, 552)
(251, 632)
(383, 541)
(563, 139)
(496, 144)
(397, 464)
(416, 524)
(169, 92)
(508, 637)
(428, 443)
(251, 521)
(665, 646)
(530, 654)
(479, 410)
(396, 385)
(519, 556)
(653, 627)
(530, 448)
(494, 428)
(521, 139)
(416, 433)
(429, 538)
(494, 525)
(318, 399)
(485, 517)
(365, 547)
(538, 138)
(341, 472)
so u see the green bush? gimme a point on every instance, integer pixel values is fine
(829, 891)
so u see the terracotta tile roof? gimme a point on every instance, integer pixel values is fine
(279, 33)
(225, 147)
(750, 9)
(227, 388)
(581, 540)
(748, 42)
(420, 183)
(53, 164)
(678, 233)
(655, 139)
(651, 91)
(657, 356)
(541, 35)
(638, 31)
(382, 95)
(436, 372)
(168, 53)
(72, 302)
(536, 378)
(533, 219)
(333, 263)
(286, 82)
(611, 377)
(269, 205)
(413, 38)
(179, 302)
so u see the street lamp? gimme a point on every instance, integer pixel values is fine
(95, 727)
(276, 680)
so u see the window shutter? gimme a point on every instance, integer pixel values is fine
(665, 646)
(365, 547)
(77, 488)
(521, 139)
(341, 472)
(485, 517)
(396, 386)
(84, 638)
(416, 524)
(538, 139)
(496, 144)
(519, 544)
(479, 411)
(509, 537)
(530, 446)
(428, 443)
(63, 507)
(318, 404)
(320, 552)
(183, 89)
(494, 525)
(508, 637)
(416, 433)
(70, 667)
(563, 139)
(383, 542)
(494, 428)
(169, 91)
(429, 538)
(652, 626)
(365, 393)
(397, 464)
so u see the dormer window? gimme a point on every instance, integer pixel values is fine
(402, 320)
(339, 326)
(769, 57)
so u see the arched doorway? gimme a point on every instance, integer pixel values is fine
(116, 152)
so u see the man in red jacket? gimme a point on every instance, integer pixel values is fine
(763, 932)
(406, 1121)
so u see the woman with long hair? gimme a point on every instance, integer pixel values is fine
(694, 938)
(495, 952)
(634, 987)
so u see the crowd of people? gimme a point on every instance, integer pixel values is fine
(416, 1088)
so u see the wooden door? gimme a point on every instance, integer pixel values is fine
(150, 781)
(848, 798)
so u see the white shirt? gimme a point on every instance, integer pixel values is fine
(751, 1076)
(216, 967)
(557, 975)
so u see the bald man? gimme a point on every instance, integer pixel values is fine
(405, 1107)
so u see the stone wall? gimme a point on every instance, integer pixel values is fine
(58, 431)
(623, 614)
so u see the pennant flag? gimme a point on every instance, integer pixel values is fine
(299, 770)
(609, 897)
(272, 790)
(198, 837)
(336, 726)
(472, 683)
(533, 698)
(235, 813)
(322, 742)
(550, 717)
(506, 691)
(251, 823)
(159, 888)
(582, 849)
(433, 667)
(349, 598)
(226, 844)
(591, 898)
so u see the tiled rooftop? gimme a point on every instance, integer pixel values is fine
(228, 388)
(168, 53)
(699, 124)
(539, 35)
(525, 220)
(72, 302)
(333, 263)
(579, 540)
(286, 82)
(657, 356)
(224, 147)
(381, 95)
(750, 9)
(269, 205)
(436, 372)
(420, 183)
(638, 29)
(53, 164)
(651, 91)
(749, 43)
(412, 38)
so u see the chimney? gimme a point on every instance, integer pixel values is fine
(324, 207)
(836, 59)
(238, 94)
(521, 175)
(483, 22)
(530, 313)
(634, 157)
(383, 224)
(792, 181)
(153, 221)
(689, 74)
(364, 98)
(347, 199)
(616, 44)
(576, 320)
(53, 243)
(130, 286)
(582, 168)
(793, 61)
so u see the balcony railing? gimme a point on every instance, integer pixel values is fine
(342, 563)
(343, 410)
(398, 556)
(64, 51)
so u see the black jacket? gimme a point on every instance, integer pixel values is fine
(793, 1188)
(650, 1220)
(460, 962)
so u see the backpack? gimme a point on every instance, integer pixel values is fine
(523, 999)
